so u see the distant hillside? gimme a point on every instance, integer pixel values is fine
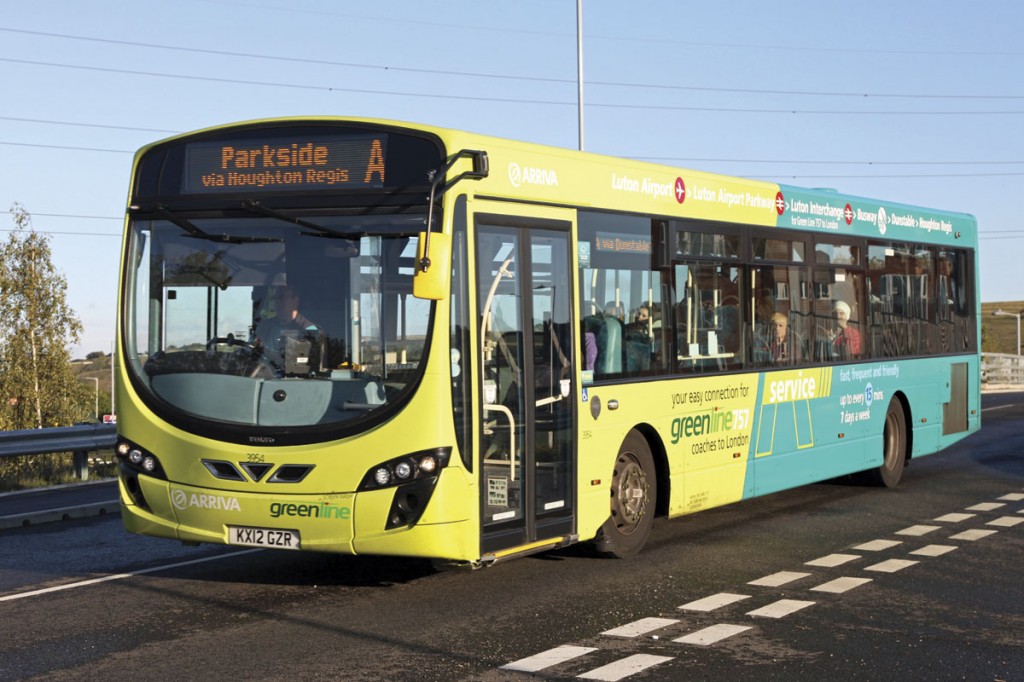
(999, 332)
(98, 368)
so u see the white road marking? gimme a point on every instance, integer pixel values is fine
(891, 566)
(934, 550)
(122, 576)
(713, 634)
(1006, 521)
(778, 579)
(546, 659)
(715, 601)
(1012, 497)
(973, 534)
(833, 560)
(878, 545)
(917, 531)
(987, 506)
(624, 668)
(996, 407)
(841, 585)
(640, 627)
(954, 518)
(781, 608)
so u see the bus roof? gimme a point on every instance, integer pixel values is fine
(553, 175)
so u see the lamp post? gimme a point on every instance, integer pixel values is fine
(1017, 315)
(97, 408)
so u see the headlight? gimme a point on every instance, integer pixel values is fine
(414, 467)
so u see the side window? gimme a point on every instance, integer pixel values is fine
(782, 303)
(708, 317)
(953, 302)
(622, 303)
(841, 320)
(899, 299)
(783, 325)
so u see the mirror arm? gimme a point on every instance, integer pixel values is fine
(479, 172)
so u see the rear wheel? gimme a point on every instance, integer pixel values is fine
(894, 445)
(633, 498)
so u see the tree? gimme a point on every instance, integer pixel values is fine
(37, 326)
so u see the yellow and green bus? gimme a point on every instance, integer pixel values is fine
(373, 337)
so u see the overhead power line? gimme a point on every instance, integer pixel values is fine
(507, 100)
(497, 76)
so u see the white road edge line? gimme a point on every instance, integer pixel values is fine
(121, 576)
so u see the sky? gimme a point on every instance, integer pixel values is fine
(917, 102)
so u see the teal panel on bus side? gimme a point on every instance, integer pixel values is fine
(817, 423)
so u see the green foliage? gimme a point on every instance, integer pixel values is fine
(37, 326)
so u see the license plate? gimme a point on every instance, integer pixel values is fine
(263, 537)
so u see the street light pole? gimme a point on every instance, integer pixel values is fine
(1017, 315)
(579, 66)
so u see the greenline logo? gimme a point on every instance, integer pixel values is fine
(701, 424)
(323, 510)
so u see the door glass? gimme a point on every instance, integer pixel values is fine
(552, 343)
(502, 359)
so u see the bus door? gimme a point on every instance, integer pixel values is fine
(527, 416)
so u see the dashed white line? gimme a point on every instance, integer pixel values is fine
(833, 560)
(841, 585)
(954, 518)
(715, 601)
(934, 550)
(973, 534)
(917, 531)
(778, 579)
(987, 506)
(878, 545)
(891, 565)
(624, 668)
(1006, 521)
(546, 659)
(640, 627)
(713, 634)
(780, 609)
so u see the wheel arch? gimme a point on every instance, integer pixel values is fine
(908, 419)
(662, 471)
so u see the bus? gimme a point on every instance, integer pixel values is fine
(378, 338)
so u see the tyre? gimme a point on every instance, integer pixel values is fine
(633, 499)
(894, 447)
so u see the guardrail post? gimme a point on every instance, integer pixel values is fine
(81, 464)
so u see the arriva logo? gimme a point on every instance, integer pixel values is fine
(182, 500)
(527, 175)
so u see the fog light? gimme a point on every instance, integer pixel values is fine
(382, 476)
(428, 464)
(135, 456)
(123, 449)
(403, 470)
(149, 463)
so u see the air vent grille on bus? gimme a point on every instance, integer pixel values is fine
(291, 473)
(223, 470)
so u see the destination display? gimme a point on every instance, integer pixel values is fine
(323, 162)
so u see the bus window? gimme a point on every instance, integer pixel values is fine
(708, 318)
(782, 316)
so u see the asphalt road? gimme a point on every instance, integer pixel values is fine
(830, 581)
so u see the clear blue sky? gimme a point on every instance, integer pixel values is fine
(911, 101)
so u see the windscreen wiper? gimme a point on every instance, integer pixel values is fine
(194, 231)
(318, 230)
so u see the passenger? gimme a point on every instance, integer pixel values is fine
(845, 339)
(777, 348)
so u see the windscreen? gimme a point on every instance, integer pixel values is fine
(262, 321)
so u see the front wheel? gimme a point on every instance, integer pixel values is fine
(633, 498)
(894, 447)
